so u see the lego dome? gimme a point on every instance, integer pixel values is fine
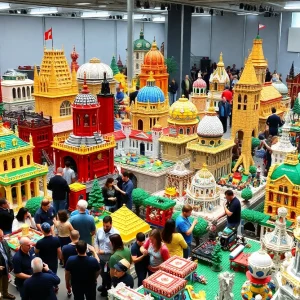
(183, 111)
(280, 87)
(260, 264)
(150, 92)
(141, 44)
(204, 178)
(210, 126)
(154, 57)
(199, 83)
(85, 98)
(94, 70)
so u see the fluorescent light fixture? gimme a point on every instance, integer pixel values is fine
(4, 6)
(43, 11)
(135, 17)
(155, 9)
(295, 7)
(95, 14)
(201, 15)
(102, 5)
(82, 3)
(159, 19)
(247, 14)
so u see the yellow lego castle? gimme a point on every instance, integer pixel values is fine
(210, 148)
(283, 187)
(182, 121)
(19, 175)
(55, 88)
(245, 114)
(150, 107)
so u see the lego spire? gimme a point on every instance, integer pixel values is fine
(154, 45)
(151, 80)
(52, 79)
(85, 89)
(141, 34)
(74, 79)
(248, 76)
(74, 56)
(105, 89)
(258, 58)
(220, 63)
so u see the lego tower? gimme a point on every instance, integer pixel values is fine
(245, 113)
(258, 60)
(55, 88)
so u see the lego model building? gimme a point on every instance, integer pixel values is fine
(293, 84)
(55, 89)
(177, 181)
(90, 153)
(17, 91)
(119, 63)
(204, 196)
(290, 272)
(199, 97)
(182, 128)
(210, 148)
(123, 292)
(283, 90)
(74, 56)
(283, 187)
(151, 106)
(284, 145)
(260, 269)
(154, 61)
(278, 242)
(245, 115)
(94, 71)
(218, 80)
(140, 48)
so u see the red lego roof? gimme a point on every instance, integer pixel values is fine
(135, 134)
(119, 135)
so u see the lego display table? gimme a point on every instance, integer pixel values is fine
(163, 285)
(122, 292)
(13, 239)
(204, 251)
(240, 262)
(179, 267)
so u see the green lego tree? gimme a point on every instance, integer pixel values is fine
(247, 194)
(252, 169)
(292, 72)
(114, 66)
(172, 65)
(255, 142)
(96, 199)
(296, 108)
(216, 257)
(138, 197)
(34, 204)
(252, 215)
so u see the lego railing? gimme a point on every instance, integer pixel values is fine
(83, 149)
(40, 169)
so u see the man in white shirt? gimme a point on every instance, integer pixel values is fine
(104, 251)
(69, 174)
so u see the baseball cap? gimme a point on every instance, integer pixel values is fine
(46, 227)
(122, 266)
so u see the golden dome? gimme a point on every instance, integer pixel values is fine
(154, 56)
(183, 112)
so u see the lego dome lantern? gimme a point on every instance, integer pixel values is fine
(141, 44)
(260, 264)
(150, 92)
(154, 57)
(183, 111)
(94, 71)
(199, 83)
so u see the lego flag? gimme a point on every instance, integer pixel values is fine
(261, 26)
(48, 34)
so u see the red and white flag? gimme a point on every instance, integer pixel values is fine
(261, 26)
(48, 34)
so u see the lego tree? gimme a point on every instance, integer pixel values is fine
(34, 204)
(216, 257)
(172, 65)
(114, 66)
(255, 142)
(247, 194)
(292, 72)
(252, 215)
(138, 197)
(252, 170)
(296, 108)
(96, 199)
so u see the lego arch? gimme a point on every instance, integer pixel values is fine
(14, 94)
(249, 228)
(142, 148)
(23, 92)
(72, 162)
(28, 91)
(140, 124)
(19, 93)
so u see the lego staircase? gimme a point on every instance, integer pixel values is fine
(49, 162)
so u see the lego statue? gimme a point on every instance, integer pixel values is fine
(226, 284)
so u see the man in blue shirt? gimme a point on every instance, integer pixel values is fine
(45, 213)
(104, 250)
(232, 209)
(224, 112)
(70, 249)
(40, 284)
(22, 263)
(274, 122)
(84, 223)
(186, 227)
(126, 191)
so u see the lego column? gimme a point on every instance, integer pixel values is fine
(179, 38)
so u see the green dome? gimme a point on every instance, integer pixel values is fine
(292, 172)
(141, 44)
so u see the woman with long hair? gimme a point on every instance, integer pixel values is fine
(23, 217)
(110, 195)
(173, 240)
(156, 249)
(119, 252)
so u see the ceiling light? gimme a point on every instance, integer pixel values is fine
(293, 6)
(95, 14)
(102, 5)
(83, 3)
(135, 17)
(247, 14)
(159, 19)
(43, 11)
(4, 6)
(201, 15)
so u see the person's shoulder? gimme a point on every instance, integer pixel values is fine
(115, 231)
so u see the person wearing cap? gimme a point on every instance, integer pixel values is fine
(40, 284)
(45, 213)
(48, 248)
(22, 263)
(121, 275)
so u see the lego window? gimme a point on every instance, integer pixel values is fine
(239, 98)
(245, 99)
(286, 189)
(14, 93)
(28, 159)
(5, 165)
(65, 108)
(23, 92)
(137, 66)
(19, 92)
(271, 197)
(294, 201)
(86, 120)
(32, 90)
(293, 215)
(137, 56)
(13, 163)
(28, 91)
(202, 142)
(21, 161)
(211, 143)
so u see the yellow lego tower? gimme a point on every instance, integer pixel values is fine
(55, 88)
(245, 114)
